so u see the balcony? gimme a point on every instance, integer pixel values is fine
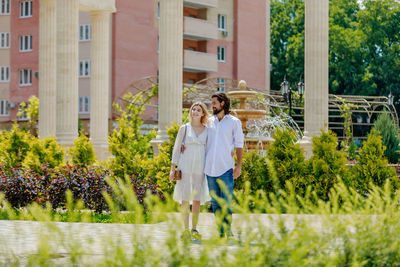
(200, 3)
(199, 29)
(194, 61)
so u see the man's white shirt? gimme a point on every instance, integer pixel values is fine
(223, 136)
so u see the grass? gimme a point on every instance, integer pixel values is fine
(348, 230)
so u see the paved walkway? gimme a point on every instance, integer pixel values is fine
(22, 238)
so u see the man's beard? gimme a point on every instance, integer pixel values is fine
(216, 111)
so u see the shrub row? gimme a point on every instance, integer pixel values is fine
(322, 171)
(133, 155)
(19, 147)
(22, 186)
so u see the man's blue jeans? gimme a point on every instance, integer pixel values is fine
(226, 195)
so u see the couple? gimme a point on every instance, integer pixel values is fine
(206, 145)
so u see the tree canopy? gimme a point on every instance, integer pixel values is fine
(364, 45)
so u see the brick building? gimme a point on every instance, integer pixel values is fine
(222, 38)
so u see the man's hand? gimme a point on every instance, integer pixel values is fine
(183, 148)
(237, 171)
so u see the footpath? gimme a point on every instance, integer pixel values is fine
(23, 238)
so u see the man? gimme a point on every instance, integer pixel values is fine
(224, 134)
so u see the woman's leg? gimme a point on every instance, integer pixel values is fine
(195, 213)
(185, 207)
(185, 198)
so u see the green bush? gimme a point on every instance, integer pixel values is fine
(326, 164)
(127, 143)
(372, 165)
(351, 151)
(255, 170)
(160, 166)
(386, 128)
(288, 159)
(44, 151)
(20, 148)
(82, 153)
(31, 112)
(14, 147)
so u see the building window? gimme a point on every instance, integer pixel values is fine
(221, 84)
(4, 7)
(158, 9)
(84, 32)
(221, 22)
(25, 9)
(25, 43)
(4, 107)
(221, 54)
(4, 40)
(25, 77)
(84, 104)
(84, 68)
(4, 74)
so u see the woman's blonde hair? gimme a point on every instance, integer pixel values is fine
(204, 118)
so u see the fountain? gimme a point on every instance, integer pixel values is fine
(258, 124)
(254, 139)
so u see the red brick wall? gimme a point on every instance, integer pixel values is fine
(134, 44)
(250, 42)
(23, 60)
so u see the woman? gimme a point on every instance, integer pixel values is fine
(192, 188)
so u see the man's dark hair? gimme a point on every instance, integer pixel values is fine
(221, 96)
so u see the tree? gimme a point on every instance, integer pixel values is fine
(31, 112)
(127, 143)
(346, 68)
(364, 45)
(372, 165)
(287, 40)
(326, 165)
(385, 127)
(288, 160)
(380, 23)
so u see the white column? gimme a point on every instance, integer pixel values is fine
(100, 82)
(47, 68)
(316, 70)
(170, 67)
(67, 71)
(268, 47)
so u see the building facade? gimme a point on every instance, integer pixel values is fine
(221, 38)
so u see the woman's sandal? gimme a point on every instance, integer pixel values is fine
(196, 235)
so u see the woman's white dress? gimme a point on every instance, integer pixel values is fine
(193, 185)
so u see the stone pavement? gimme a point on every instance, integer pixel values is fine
(23, 238)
